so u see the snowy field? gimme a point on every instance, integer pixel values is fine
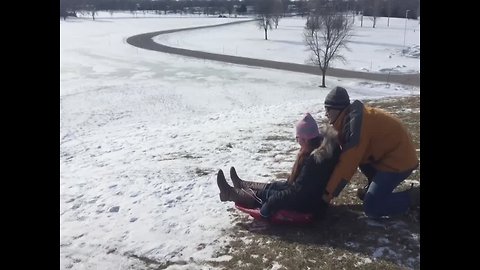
(143, 133)
(286, 44)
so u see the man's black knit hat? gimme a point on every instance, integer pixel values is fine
(337, 98)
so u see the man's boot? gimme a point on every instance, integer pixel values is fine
(369, 171)
(362, 191)
(239, 183)
(414, 196)
(240, 196)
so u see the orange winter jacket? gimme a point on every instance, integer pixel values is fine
(370, 135)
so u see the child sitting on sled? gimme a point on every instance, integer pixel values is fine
(302, 192)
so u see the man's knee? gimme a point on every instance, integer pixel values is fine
(369, 171)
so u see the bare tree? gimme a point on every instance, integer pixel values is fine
(325, 35)
(285, 4)
(275, 20)
(265, 21)
(389, 12)
(69, 8)
(361, 19)
(375, 6)
(229, 8)
(90, 7)
(93, 11)
(277, 11)
(264, 9)
(374, 20)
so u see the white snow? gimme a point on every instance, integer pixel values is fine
(143, 133)
(286, 44)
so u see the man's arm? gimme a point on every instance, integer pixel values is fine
(344, 171)
(355, 140)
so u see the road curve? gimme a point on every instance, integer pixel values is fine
(145, 41)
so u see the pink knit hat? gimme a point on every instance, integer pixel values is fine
(307, 127)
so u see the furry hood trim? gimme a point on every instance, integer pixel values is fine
(329, 143)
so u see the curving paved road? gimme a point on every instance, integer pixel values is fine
(145, 41)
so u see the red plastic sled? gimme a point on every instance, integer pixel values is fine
(280, 217)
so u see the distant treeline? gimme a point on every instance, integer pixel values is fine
(377, 8)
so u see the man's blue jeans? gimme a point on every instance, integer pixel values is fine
(380, 200)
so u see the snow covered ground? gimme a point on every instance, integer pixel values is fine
(286, 44)
(143, 133)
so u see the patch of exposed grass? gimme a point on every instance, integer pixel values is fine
(344, 238)
(202, 172)
(278, 138)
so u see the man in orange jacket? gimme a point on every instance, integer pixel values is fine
(381, 146)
